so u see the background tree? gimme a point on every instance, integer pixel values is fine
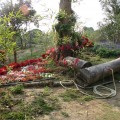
(6, 38)
(26, 13)
(88, 32)
(112, 23)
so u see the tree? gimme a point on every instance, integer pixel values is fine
(88, 32)
(21, 13)
(66, 22)
(6, 37)
(112, 26)
(67, 39)
(37, 37)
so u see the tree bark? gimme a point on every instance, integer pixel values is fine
(65, 5)
(15, 56)
(90, 75)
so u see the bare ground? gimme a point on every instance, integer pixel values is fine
(97, 109)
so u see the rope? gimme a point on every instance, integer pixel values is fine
(95, 88)
(74, 89)
(112, 92)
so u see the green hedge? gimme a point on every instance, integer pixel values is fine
(105, 52)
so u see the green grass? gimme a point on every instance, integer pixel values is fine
(87, 98)
(16, 115)
(75, 95)
(47, 91)
(43, 103)
(70, 95)
(10, 107)
(41, 106)
(13, 107)
(30, 53)
(18, 89)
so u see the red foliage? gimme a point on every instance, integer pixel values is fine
(14, 65)
(64, 62)
(86, 42)
(3, 70)
(76, 61)
(44, 56)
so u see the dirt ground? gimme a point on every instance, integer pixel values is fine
(97, 109)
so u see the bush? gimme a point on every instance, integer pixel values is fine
(103, 52)
(96, 47)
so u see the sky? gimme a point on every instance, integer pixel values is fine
(89, 12)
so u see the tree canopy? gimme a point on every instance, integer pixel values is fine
(111, 28)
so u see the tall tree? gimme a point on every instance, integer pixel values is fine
(66, 23)
(65, 29)
(112, 26)
(25, 11)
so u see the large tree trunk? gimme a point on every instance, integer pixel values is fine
(92, 74)
(62, 27)
(15, 56)
(65, 5)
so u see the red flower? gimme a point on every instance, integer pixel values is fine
(48, 51)
(39, 60)
(85, 42)
(3, 70)
(52, 49)
(23, 64)
(76, 61)
(68, 46)
(62, 47)
(65, 62)
(44, 56)
(14, 65)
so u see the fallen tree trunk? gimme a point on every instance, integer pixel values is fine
(75, 62)
(92, 74)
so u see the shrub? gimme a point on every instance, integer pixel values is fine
(103, 52)
(96, 47)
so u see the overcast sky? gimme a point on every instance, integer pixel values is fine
(89, 12)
